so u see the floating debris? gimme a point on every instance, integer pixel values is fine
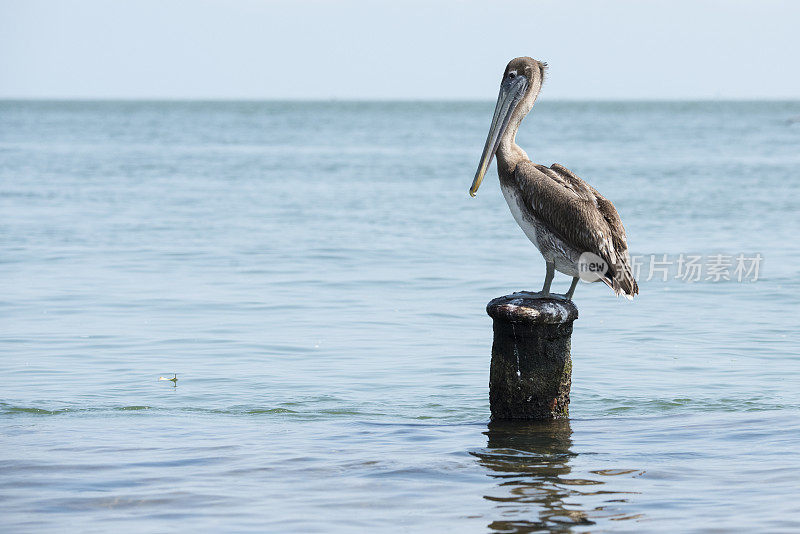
(174, 379)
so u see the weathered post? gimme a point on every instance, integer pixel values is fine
(531, 370)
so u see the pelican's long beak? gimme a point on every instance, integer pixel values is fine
(511, 92)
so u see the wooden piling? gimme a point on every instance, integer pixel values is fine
(531, 369)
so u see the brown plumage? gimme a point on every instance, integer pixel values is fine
(579, 215)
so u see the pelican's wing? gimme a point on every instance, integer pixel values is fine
(606, 208)
(579, 215)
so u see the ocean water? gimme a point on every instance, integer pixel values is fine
(316, 276)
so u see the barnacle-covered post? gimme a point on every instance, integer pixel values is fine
(531, 370)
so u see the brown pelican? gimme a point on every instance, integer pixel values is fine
(572, 225)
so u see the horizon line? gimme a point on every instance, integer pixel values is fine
(387, 100)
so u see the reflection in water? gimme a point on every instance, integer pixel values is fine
(531, 462)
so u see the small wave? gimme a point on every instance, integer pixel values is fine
(23, 409)
(637, 406)
(270, 410)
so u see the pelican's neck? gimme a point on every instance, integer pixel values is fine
(509, 154)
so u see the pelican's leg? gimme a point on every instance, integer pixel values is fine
(545, 292)
(572, 288)
(548, 279)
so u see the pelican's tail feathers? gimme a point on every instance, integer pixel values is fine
(623, 283)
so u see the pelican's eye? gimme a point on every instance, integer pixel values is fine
(512, 75)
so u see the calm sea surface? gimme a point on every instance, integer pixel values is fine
(316, 275)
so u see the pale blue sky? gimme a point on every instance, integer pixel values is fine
(321, 49)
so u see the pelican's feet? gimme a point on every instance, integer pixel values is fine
(540, 295)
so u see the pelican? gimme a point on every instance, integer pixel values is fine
(571, 224)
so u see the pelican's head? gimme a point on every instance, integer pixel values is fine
(519, 88)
